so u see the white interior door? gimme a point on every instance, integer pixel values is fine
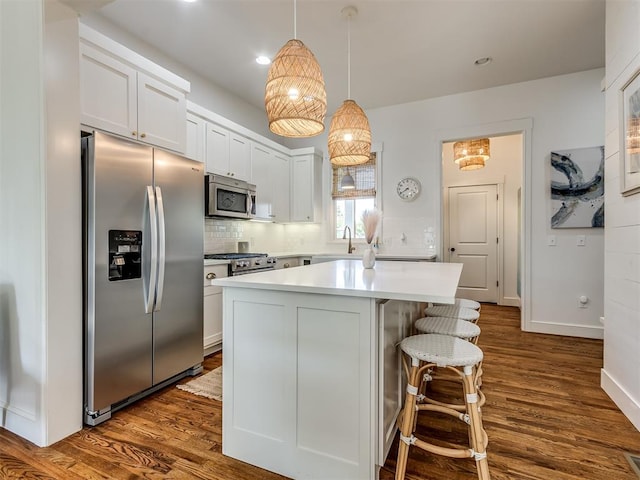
(473, 240)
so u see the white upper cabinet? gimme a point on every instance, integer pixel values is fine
(270, 173)
(227, 153)
(124, 93)
(217, 149)
(196, 128)
(306, 187)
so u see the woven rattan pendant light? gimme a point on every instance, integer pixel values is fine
(349, 132)
(295, 97)
(471, 154)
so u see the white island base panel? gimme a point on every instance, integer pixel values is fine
(312, 383)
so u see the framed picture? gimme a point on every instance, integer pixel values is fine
(630, 135)
(577, 188)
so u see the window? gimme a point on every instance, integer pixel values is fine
(348, 204)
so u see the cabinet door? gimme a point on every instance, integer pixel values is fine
(240, 157)
(162, 111)
(107, 93)
(217, 149)
(306, 188)
(280, 200)
(195, 137)
(212, 307)
(301, 189)
(261, 160)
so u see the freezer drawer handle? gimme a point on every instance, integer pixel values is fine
(153, 222)
(162, 249)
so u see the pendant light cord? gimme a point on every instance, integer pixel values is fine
(295, 18)
(349, 57)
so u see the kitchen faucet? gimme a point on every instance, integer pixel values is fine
(344, 235)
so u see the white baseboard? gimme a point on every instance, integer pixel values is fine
(629, 407)
(510, 301)
(567, 329)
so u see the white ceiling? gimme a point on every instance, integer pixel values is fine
(401, 51)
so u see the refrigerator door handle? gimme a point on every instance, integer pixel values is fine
(153, 222)
(161, 249)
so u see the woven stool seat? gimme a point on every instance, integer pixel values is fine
(442, 350)
(448, 326)
(452, 311)
(464, 303)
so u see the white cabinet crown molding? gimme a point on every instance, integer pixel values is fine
(98, 40)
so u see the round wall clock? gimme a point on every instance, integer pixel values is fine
(408, 188)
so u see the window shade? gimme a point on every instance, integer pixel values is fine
(364, 177)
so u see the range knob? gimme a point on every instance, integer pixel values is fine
(271, 260)
(259, 262)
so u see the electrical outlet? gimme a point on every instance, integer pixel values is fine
(551, 240)
(583, 301)
(580, 240)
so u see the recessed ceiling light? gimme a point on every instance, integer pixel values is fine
(190, 1)
(483, 61)
(262, 60)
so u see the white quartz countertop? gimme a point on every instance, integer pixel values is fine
(416, 281)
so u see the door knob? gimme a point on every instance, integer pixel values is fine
(452, 249)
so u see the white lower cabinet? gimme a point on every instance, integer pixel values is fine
(287, 262)
(212, 311)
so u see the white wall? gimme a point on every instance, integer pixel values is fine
(567, 112)
(504, 168)
(620, 378)
(40, 276)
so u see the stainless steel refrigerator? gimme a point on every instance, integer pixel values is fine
(143, 219)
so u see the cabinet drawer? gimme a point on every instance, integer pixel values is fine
(211, 272)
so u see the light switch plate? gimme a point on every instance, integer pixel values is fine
(551, 240)
(580, 240)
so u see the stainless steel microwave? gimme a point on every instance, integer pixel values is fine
(227, 197)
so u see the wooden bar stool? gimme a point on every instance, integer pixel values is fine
(452, 311)
(460, 356)
(464, 303)
(456, 328)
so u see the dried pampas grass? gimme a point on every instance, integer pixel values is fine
(370, 219)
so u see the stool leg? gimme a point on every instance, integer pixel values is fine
(408, 414)
(475, 423)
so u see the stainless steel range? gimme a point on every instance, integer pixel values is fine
(243, 263)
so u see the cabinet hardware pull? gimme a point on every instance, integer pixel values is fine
(211, 276)
(142, 135)
(286, 265)
(134, 133)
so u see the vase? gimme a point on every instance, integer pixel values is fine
(368, 257)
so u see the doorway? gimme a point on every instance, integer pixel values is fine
(482, 220)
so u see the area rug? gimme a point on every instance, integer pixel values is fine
(208, 385)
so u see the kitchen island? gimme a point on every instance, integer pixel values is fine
(312, 380)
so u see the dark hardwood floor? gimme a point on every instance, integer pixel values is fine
(546, 417)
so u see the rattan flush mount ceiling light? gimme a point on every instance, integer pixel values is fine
(295, 98)
(471, 154)
(349, 133)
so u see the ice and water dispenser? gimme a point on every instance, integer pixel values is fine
(125, 254)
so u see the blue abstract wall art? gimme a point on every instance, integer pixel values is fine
(577, 188)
